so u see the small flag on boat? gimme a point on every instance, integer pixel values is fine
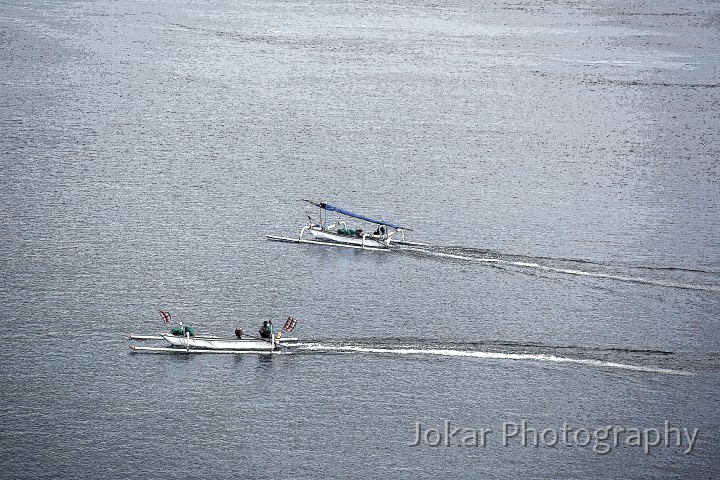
(166, 316)
(290, 324)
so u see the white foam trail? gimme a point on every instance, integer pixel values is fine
(707, 288)
(491, 355)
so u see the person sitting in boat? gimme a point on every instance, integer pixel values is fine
(265, 330)
(358, 232)
(380, 231)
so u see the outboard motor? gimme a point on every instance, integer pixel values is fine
(238, 332)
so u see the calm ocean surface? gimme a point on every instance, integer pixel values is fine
(561, 158)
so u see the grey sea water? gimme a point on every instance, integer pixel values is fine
(560, 158)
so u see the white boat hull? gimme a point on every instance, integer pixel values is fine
(337, 238)
(136, 349)
(221, 343)
(316, 242)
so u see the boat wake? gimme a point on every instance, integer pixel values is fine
(688, 279)
(471, 351)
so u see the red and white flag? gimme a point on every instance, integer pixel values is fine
(290, 324)
(166, 316)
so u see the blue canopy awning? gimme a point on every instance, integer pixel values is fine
(333, 208)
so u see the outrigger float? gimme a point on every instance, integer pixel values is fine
(184, 340)
(339, 235)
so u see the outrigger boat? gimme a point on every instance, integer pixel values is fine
(184, 340)
(338, 233)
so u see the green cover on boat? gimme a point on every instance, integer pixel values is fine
(181, 333)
